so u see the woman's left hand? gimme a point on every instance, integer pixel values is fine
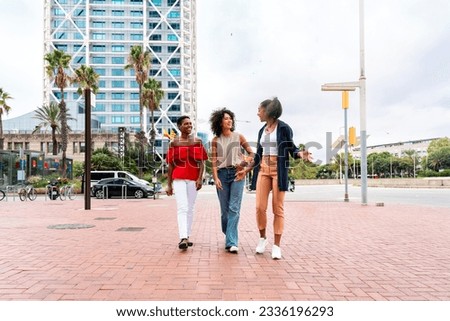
(240, 175)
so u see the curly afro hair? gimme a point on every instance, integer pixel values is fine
(216, 120)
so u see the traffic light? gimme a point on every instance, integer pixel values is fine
(352, 136)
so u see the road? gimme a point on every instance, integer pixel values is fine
(334, 193)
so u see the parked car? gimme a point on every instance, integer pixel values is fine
(119, 187)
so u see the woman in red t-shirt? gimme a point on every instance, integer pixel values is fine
(185, 157)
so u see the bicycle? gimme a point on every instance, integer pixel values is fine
(27, 191)
(2, 195)
(67, 191)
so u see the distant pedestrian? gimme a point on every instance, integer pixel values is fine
(229, 166)
(185, 159)
(274, 146)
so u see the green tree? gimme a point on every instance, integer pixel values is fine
(139, 60)
(57, 63)
(4, 108)
(151, 98)
(50, 116)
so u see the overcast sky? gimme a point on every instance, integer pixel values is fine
(250, 50)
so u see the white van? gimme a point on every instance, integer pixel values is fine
(98, 175)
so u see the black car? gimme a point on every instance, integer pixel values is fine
(120, 187)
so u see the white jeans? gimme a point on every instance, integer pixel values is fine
(185, 194)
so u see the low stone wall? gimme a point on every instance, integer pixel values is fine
(432, 182)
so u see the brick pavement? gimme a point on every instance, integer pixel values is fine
(331, 251)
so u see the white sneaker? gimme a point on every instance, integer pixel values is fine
(261, 247)
(276, 252)
(234, 249)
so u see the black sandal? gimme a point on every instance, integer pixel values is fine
(189, 242)
(183, 245)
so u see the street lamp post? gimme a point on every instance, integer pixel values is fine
(345, 107)
(351, 86)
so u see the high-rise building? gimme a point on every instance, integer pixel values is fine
(100, 33)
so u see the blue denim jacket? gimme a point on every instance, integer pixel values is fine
(286, 147)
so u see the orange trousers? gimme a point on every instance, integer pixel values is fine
(268, 181)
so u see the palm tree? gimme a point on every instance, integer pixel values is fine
(139, 60)
(50, 116)
(4, 108)
(87, 80)
(151, 97)
(57, 62)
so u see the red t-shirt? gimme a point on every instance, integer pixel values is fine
(186, 161)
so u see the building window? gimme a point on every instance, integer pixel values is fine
(98, 60)
(155, 37)
(100, 96)
(154, 25)
(134, 84)
(172, 84)
(173, 14)
(79, 60)
(153, 14)
(157, 3)
(153, 72)
(118, 13)
(117, 60)
(100, 71)
(117, 1)
(99, 48)
(175, 26)
(80, 23)
(117, 72)
(98, 36)
(135, 119)
(136, 25)
(101, 119)
(175, 108)
(171, 49)
(156, 48)
(118, 96)
(98, 24)
(134, 107)
(174, 61)
(101, 84)
(117, 84)
(117, 119)
(60, 35)
(118, 36)
(58, 12)
(61, 47)
(134, 95)
(117, 107)
(82, 147)
(173, 2)
(117, 48)
(96, 12)
(75, 147)
(99, 107)
(172, 95)
(136, 13)
(172, 37)
(136, 36)
(118, 25)
(175, 72)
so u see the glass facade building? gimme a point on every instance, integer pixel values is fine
(100, 33)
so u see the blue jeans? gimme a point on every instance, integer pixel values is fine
(230, 198)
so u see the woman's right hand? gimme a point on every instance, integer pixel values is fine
(169, 191)
(218, 184)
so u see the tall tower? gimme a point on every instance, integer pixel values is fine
(100, 33)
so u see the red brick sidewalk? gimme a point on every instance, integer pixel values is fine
(331, 251)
